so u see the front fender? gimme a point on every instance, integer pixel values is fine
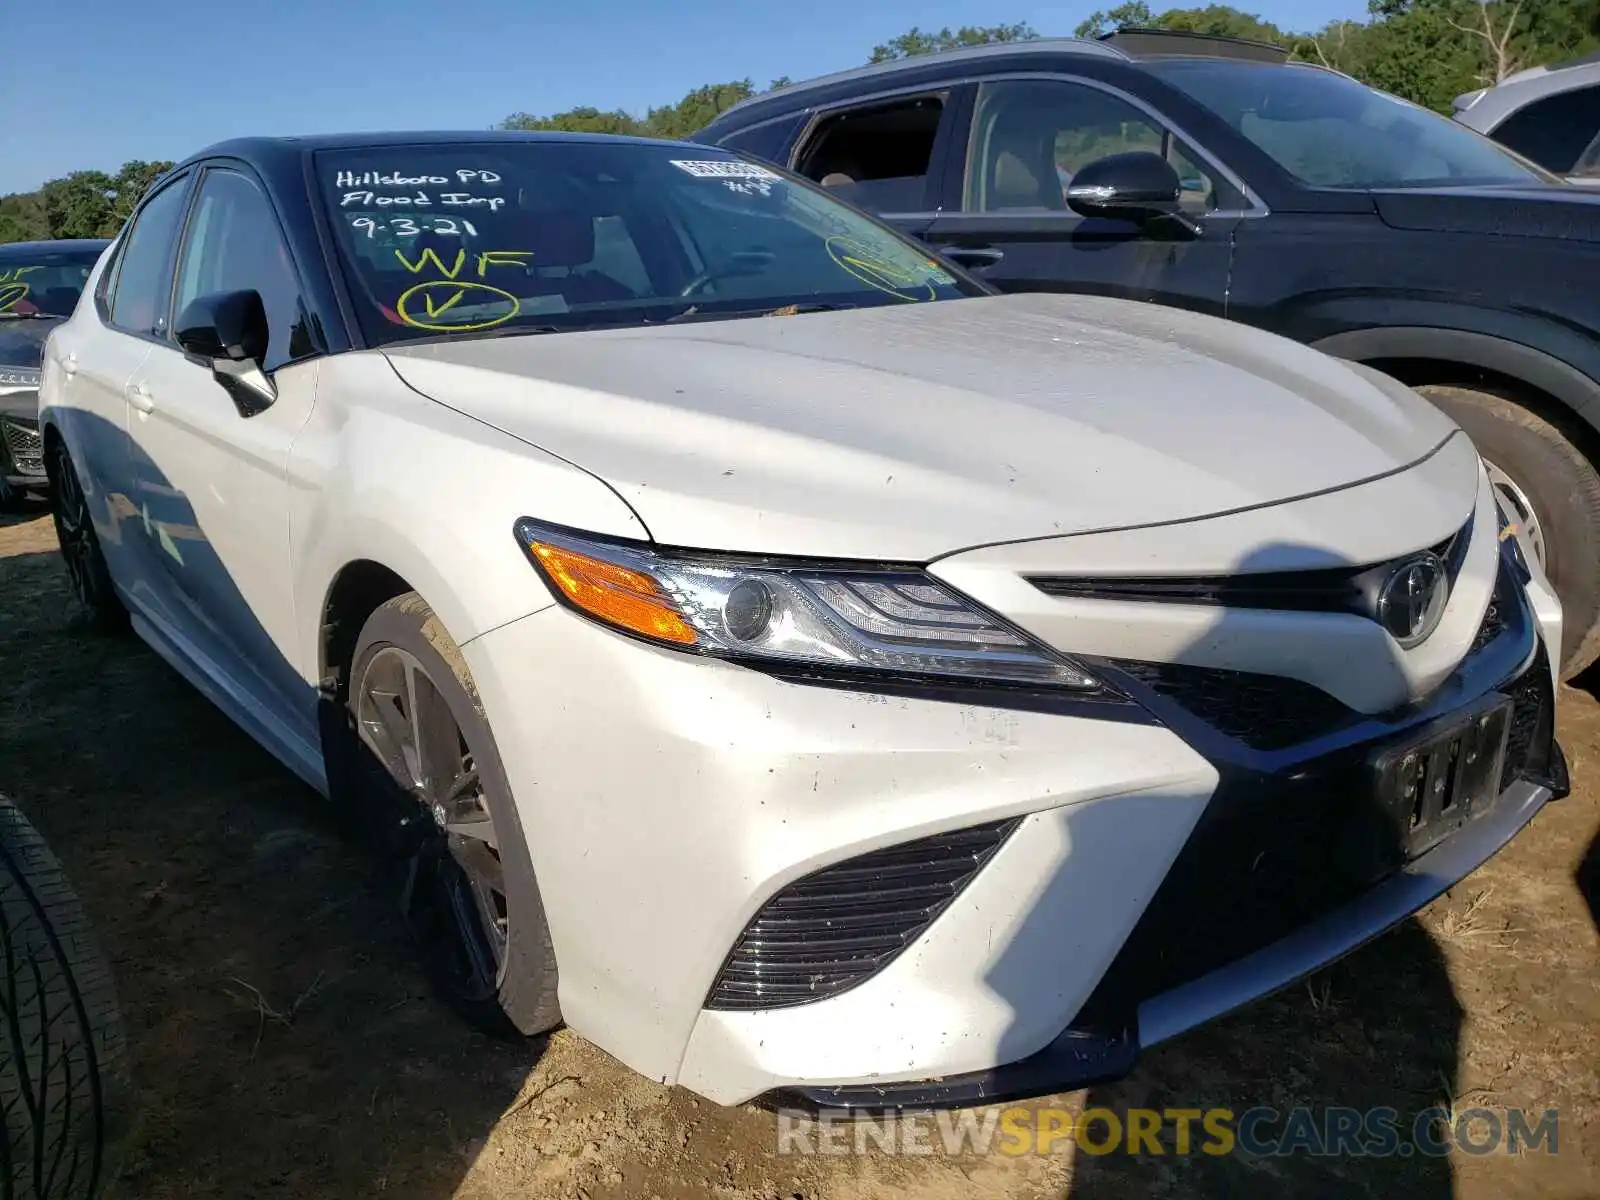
(386, 475)
(1554, 376)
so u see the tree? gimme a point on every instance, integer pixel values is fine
(1497, 29)
(1132, 15)
(79, 205)
(22, 218)
(577, 120)
(915, 41)
(696, 110)
(130, 186)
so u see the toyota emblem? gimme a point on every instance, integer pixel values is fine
(1413, 598)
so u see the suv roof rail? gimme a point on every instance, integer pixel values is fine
(1138, 41)
(1059, 45)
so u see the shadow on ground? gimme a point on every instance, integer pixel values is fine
(284, 1040)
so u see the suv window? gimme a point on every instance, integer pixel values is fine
(1031, 136)
(233, 244)
(142, 289)
(765, 140)
(1554, 131)
(877, 157)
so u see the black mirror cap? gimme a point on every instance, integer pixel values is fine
(225, 325)
(1136, 185)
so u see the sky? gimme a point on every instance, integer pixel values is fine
(94, 83)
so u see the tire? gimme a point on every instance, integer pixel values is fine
(423, 863)
(80, 545)
(62, 1049)
(1564, 491)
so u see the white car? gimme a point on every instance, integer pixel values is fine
(804, 673)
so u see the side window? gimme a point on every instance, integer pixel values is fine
(765, 140)
(138, 300)
(876, 157)
(233, 244)
(1031, 136)
(1555, 131)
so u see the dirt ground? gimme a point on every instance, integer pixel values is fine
(285, 1044)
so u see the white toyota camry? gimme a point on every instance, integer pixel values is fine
(804, 673)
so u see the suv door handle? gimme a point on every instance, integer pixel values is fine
(139, 396)
(974, 256)
(69, 364)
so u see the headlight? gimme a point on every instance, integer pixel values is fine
(895, 621)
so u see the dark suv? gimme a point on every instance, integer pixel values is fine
(1213, 175)
(39, 286)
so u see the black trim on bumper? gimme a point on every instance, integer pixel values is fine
(1185, 964)
(1079, 1058)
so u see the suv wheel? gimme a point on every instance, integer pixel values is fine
(432, 789)
(1553, 491)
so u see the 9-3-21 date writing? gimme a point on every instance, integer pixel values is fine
(411, 227)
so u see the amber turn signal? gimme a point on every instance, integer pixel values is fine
(628, 599)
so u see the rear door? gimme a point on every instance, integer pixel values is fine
(1028, 137)
(214, 479)
(886, 154)
(96, 354)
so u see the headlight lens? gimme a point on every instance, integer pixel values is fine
(893, 621)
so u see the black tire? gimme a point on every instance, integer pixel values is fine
(1564, 490)
(521, 996)
(62, 1049)
(80, 545)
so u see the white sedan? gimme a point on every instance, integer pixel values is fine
(806, 674)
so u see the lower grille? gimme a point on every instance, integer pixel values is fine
(24, 446)
(1265, 712)
(836, 927)
(1275, 850)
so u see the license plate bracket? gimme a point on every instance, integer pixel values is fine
(1446, 775)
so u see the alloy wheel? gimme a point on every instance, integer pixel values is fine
(75, 531)
(1522, 510)
(453, 886)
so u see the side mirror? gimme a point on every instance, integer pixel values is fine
(1136, 186)
(228, 332)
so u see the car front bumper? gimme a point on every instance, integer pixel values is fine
(21, 446)
(668, 799)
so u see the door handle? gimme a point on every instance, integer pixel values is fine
(139, 396)
(974, 256)
(69, 364)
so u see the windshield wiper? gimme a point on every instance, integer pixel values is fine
(693, 313)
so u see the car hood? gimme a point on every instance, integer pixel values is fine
(1556, 211)
(908, 431)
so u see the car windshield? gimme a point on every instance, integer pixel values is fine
(37, 281)
(1329, 131)
(553, 235)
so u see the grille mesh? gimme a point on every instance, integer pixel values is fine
(1265, 712)
(25, 446)
(838, 926)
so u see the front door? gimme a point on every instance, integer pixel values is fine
(1028, 138)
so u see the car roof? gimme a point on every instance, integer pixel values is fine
(267, 150)
(55, 246)
(1129, 45)
(1485, 108)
